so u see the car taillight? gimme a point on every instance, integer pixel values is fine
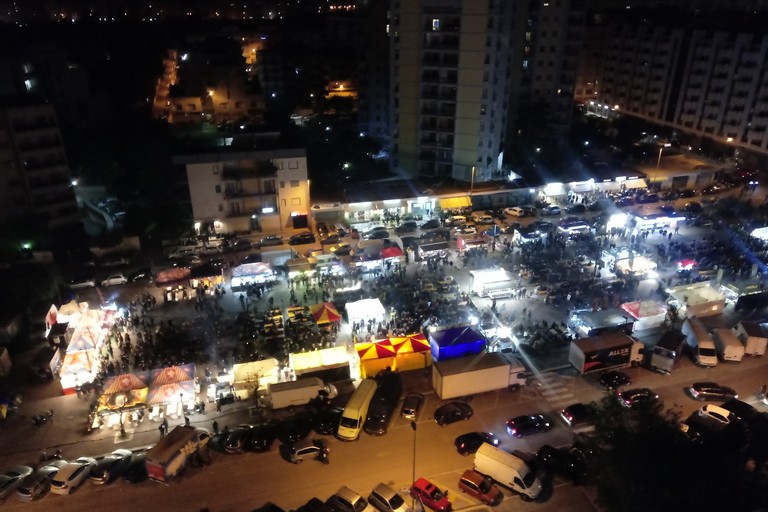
(567, 415)
(694, 393)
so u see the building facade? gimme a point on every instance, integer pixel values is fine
(34, 174)
(463, 71)
(247, 191)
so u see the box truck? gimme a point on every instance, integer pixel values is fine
(171, 454)
(700, 342)
(610, 350)
(477, 373)
(298, 392)
(667, 351)
(729, 348)
(509, 470)
(754, 337)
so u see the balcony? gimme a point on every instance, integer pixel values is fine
(234, 193)
(264, 169)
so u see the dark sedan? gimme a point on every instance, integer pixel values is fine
(327, 421)
(379, 234)
(453, 412)
(236, 439)
(137, 470)
(521, 426)
(110, 467)
(306, 237)
(636, 397)
(295, 428)
(711, 391)
(579, 415)
(614, 379)
(562, 462)
(470, 442)
(270, 240)
(260, 438)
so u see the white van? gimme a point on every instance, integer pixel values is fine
(297, 392)
(356, 411)
(508, 470)
(700, 342)
(729, 348)
(326, 260)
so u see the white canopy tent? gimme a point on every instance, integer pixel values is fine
(365, 310)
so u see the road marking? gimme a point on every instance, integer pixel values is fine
(555, 389)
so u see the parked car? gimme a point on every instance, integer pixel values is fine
(576, 208)
(137, 469)
(624, 201)
(295, 428)
(550, 210)
(141, 274)
(331, 239)
(270, 240)
(72, 475)
(430, 495)
(521, 426)
(411, 405)
(110, 467)
(12, 479)
(379, 234)
(408, 226)
(327, 421)
(453, 412)
(113, 280)
(38, 483)
(470, 442)
(693, 207)
(235, 441)
(613, 379)
(241, 244)
(648, 199)
(635, 397)
(308, 448)
(341, 249)
(485, 220)
(431, 224)
(562, 462)
(307, 237)
(81, 282)
(711, 391)
(515, 211)
(480, 487)
(260, 438)
(386, 499)
(347, 500)
(466, 229)
(720, 414)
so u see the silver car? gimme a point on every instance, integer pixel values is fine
(39, 482)
(386, 499)
(10, 480)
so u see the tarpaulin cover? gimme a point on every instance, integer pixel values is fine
(251, 269)
(391, 252)
(171, 393)
(126, 382)
(411, 343)
(375, 350)
(77, 362)
(122, 400)
(641, 309)
(325, 313)
(83, 339)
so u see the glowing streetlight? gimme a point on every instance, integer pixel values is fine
(661, 149)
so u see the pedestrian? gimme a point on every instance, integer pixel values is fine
(162, 431)
(186, 421)
(165, 424)
(215, 427)
(218, 405)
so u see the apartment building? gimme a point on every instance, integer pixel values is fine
(462, 71)
(238, 190)
(34, 175)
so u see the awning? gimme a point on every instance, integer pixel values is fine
(436, 246)
(581, 187)
(636, 183)
(451, 203)
(608, 186)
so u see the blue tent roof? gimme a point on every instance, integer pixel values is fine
(456, 336)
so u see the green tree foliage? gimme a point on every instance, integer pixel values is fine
(641, 461)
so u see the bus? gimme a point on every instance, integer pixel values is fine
(356, 411)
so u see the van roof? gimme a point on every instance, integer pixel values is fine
(499, 455)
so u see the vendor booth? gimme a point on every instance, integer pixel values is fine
(648, 314)
(432, 250)
(206, 277)
(588, 323)
(456, 342)
(467, 242)
(122, 401)
(173, 276)
(411, 352)
(638, 266)
(251, 273)
(366, 310)
(746, 293)
(527, 235)
(250, 377)
(494, 283)
(171, 390)
(325, 313)
(299, 267)
(329, 364)
(697, 299)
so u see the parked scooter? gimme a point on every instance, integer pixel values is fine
(41, 419)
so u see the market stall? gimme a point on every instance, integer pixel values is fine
(412, 352)
(638, 266)
(467, 242)
(206, 277)
(171, 389)
(456, 342)
(122, 400)
(251, 273)
(375, 356)
(77, 368)
(328, 363)
(366, 310)
(248, 378)
(494, 283)
(588, 323)
(697, 299)
(648, 314)
(325, 313)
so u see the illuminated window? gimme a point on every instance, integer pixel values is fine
(435, 23)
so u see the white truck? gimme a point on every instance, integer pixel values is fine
(475, 374)
(171, 454)
(729, 348)
(754, 336)
(508, 470)
(700, 342)
(298, 392)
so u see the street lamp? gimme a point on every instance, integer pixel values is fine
(472, 181)
(413, 473)
(661, 149)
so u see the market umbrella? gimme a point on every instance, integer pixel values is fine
(325, 313)
(375, 350)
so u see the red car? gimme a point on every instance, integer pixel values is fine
(430, 495)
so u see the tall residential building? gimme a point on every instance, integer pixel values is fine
(247, 186)
(710, 83)
(462, 71)
(34, 175)
(373, 74)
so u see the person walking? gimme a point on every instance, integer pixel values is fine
(215, 427)
(186, 421)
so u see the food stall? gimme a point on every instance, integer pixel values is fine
(248, 378)
(330, 364)
(648, 314)
(366, 310)
(467, 242)
(171, 389)
(456, 342)
(638, 266)
(299, 267)
(697, 299)
(122, 401)
(588, 323)
(206, 277)
(494, 283)
(251, 273)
